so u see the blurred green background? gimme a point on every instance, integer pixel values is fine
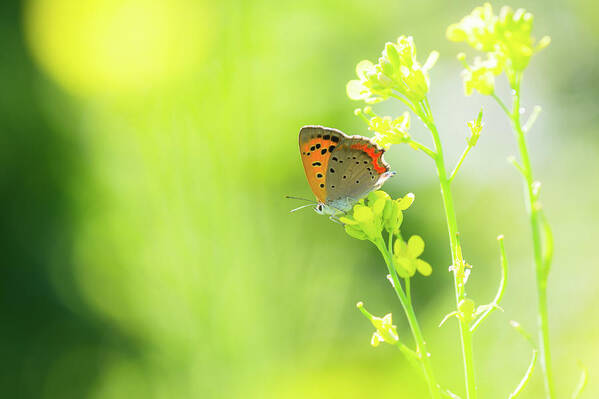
(147, 252)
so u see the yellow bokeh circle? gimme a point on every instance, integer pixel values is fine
(116, 46)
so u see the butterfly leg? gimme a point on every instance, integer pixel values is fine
(335, 219)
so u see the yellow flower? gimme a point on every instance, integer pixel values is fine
(405, 255)
(505, 37)
(397, 70)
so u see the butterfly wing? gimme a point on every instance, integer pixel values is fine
(316, 144)
(356, 167)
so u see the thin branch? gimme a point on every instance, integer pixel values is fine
(516, 326)
(526, 377)
(547, 243)
(410, 354)
(502, 105)
(407, 103)
(495, 304)
(582, 382)
(422, 148)
(459, 163)
(447, 316)
(448, 394)
(533, 361)
(519, 167)
(408, 290)
(532, 119)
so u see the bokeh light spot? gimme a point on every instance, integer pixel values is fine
(116, 46)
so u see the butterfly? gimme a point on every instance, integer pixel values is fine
(341, 169)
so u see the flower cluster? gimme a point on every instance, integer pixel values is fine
(375, 213)
(480, 76)
(507, 40)
(387, 131)
(397, 71)
(385, 330)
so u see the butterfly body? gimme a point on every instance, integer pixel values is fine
(340, 169)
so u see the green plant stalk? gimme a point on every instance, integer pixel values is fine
(526, 377)
(421, 347)
(500, 290)
(535, 223)
(456, 253)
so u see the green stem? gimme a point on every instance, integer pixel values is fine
(495, 304)
(582, 382)
(526, 377)
(459, 163)
(408, 290)
(456, 253)
(501, 104)
(422, 147)
(421, 348)
(535, 223)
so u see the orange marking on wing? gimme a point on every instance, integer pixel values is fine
(310, 154)
(374, 155)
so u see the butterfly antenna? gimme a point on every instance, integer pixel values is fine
(300, 207)
(302, 199)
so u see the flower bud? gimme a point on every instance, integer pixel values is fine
(390, 53)
(405, 202)
(386, 67)
(355, 232)
(385, 330)
(384, 80)
(363, 214)
(466, 309)
(392, 217)
(476, 127)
